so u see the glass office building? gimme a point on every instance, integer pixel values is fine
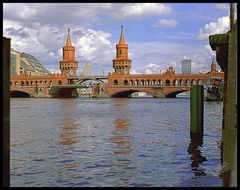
(186, 66)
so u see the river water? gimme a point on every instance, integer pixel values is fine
(112, 142)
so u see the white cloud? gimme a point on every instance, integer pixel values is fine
(221, 26)
(52, 55)
(53, 70)
(137, 10)
(85, 13)
(165, 23)
(155, 56)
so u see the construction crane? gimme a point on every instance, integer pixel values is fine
(86, 71)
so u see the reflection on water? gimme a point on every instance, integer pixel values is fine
(120, 136)
(194, 149)
(68, 134)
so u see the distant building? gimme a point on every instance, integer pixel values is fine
(26, 63)
(15, 62)
(186, 66)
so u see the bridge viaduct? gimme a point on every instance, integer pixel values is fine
(120, 83)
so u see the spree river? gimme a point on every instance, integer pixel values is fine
(112, 142)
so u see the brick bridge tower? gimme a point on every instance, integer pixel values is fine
(68, 64)
(213, 66)
(121, 63)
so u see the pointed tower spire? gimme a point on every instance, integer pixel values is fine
(121, 40)
(68, 64)
(68, 42)
(213, 66)
(122, 63)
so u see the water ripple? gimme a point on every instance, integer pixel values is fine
(112, 142)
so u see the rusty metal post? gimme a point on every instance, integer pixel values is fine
(6, 112)
(196, 111)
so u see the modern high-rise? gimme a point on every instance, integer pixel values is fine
(186, 66)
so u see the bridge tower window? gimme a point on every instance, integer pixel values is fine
(125, 82)
(115, 82)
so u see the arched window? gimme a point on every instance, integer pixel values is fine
(102, 90)
(125, 82)
(120, 51)
(115, 82)
(176, 82)
(60, 82)
(167, 82)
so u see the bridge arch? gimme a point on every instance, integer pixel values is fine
(115, 82)
(19, 94)
(125, 82)
(127, 93)
(173, 94)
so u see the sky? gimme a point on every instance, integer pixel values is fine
(158, 34)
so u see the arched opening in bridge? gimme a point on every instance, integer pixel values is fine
(115, 82)
(19, 94)
(182, 83)
(125, 82)
(200, 82)
(188, 82)
(194, 82)
(130, 94)
(175, 82)
(167, 82)
(174, 94)
(60, 82)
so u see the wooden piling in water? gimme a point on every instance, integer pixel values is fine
(196, 111)
(6, 112)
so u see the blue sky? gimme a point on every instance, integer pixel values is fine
(158, 34)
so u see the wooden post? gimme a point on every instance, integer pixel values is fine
(196, 111)
(6, 112)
